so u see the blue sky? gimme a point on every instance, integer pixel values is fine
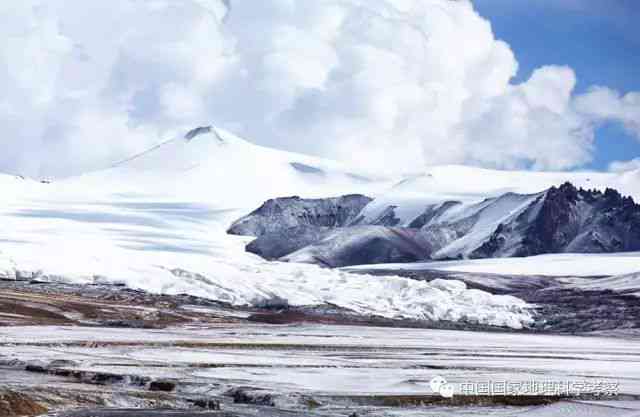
(599, 39)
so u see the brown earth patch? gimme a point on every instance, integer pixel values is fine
(13, 404)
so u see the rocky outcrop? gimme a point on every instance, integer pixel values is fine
(567, 219)
(279, 214)
(198, 131)
(361, 245)
(274, 245)
(431, 212)
(333, 232)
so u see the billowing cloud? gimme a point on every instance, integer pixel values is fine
(604, 104)
(623, 166)
(531, 124)
(391, 83)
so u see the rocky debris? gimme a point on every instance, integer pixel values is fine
(42, 367)
(333, 232)
(573, 311)
(93, 378)
(25, 303)
(242, 395)
(162, 385)
(560, 307)
(283, 213)
(137, 412)
(62, 363)
(17, 404)
(207, 403)
(309, 402)
(37, 367)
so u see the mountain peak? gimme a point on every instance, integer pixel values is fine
(198, 131)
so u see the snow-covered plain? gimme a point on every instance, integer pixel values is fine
(333, 359)
(562, 264)
(157, 222)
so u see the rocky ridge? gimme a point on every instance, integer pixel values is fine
(334, 232)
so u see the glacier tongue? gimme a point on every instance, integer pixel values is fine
(158, 221)
(251, 282)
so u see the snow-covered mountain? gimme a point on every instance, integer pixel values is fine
(558, 220)
(158, 220)
(212, 165)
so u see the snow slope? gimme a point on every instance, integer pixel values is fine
(563, 264)
(471, 185)
(489, 213)
(157, 222)
(463, 206)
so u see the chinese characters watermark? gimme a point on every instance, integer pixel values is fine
(532, 387)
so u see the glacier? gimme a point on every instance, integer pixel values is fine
(157, 222)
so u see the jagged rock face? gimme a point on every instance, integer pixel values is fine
(557, 222)
(333, 232)
(279, 214)
(431, 212)
(386, 218)
(566, 219)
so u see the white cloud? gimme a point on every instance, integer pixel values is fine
(604, 104)
(623, 166)
(531, 124)
(393, 83)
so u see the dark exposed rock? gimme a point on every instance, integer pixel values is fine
(130, 324)
(363, 245)
(333, 232)
(277, 244)
(430, 212)
(493, 245)
(104, 378)
(246, 396)
(283, 213)
(148, 412)
(197, 131)
(62, 363)
(386, 218)
(207, 403)
(306, 169)
(162, 385)
(36, 367)
(567, 219)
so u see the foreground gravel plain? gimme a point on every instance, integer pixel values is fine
(109, 351)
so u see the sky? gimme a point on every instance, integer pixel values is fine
(599, 39)
(388, 84)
